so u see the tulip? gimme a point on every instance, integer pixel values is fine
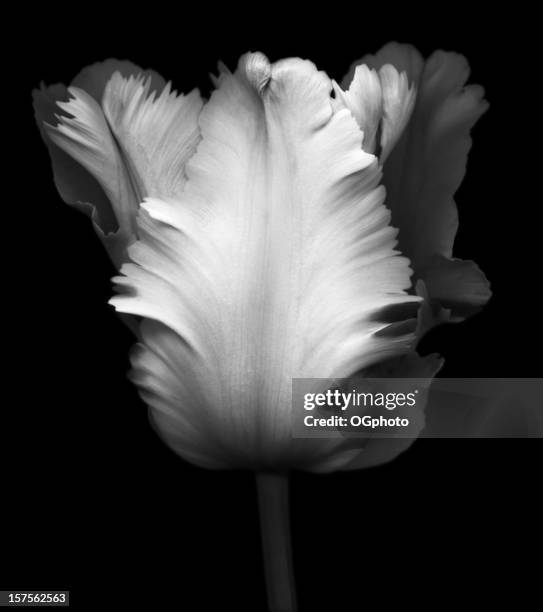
(255, 244)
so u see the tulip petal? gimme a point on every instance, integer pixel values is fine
(180, 412)
(430, 313)
(398, 103)
(381, 102)
(94, 78)
(365, 101)
(157, 365)
(106, 163)
(405, 58)
(271, 264)
(428, 163)
(157, 135)
(76, 186)
(375, 450)
(457, 285)
(83, 133)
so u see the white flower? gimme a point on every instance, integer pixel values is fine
(253, 239)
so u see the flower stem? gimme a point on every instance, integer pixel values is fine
(277, 550)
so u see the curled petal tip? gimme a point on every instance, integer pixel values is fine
(258, 70)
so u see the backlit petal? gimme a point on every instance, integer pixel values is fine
(273, 263)
(75, 184)
(365, 101)
(428, 163)
(82, 132)
(398, 102)
(457, 285)
(381, 102)
(94, 78)
(158, 135)
(116, 143)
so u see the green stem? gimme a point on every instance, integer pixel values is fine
(275, 528)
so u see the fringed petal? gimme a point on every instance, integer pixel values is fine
(83, 133)
(381, 102)
(94, 78)
(75, 184)
(273, 263)
(364, 99)
(158, 135)
(398, 102)
(427, 165)
(106, 168)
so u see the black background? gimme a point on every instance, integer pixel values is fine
(94, 502)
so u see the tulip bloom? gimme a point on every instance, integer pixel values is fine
(254, 238)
